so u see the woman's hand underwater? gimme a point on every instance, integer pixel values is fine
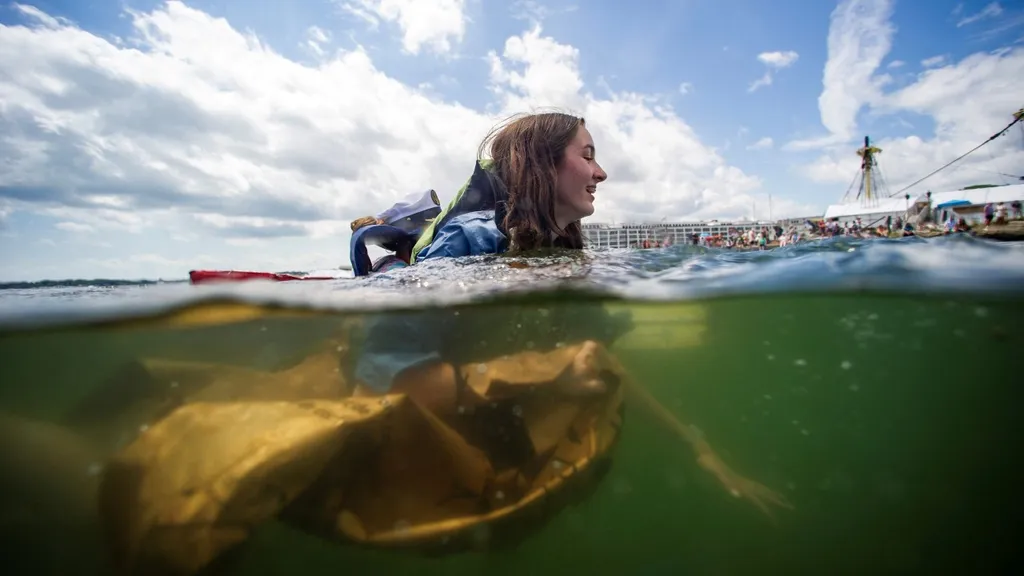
(584, 378)
(740, 487)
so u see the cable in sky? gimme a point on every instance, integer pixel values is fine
(1017, 116)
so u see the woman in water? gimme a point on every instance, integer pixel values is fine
(470, 432)
(539, 183)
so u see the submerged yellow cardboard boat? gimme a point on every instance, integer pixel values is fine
(237, 448)
(222, 449)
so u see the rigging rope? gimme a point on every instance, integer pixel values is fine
(1016, 119)
(850, 187)
(883, 181)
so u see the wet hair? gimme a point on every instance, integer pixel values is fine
(526, 152)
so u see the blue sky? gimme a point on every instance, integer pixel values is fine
(147, 138)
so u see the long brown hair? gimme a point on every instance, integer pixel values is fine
(526, 152)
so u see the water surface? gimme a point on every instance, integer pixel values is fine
(870, 382)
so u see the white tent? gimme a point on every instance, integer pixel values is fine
(875, 210)
(977, 196)
(871, 211)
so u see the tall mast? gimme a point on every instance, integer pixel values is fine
(867, 166)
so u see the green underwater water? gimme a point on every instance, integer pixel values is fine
(890, 421)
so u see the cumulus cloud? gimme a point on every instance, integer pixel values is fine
(205, 120)
(774, 61)
(192, 126)
(434, 24)
(778, 59)
(656, 163)
(968, 100)
(765, 143)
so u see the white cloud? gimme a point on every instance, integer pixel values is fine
(896, 64)
(968, 100)
(207, 121)
(536, 13)
(774, 61)
(435, 24)
(535, 70)
(316, 38)
(42, 17)
(657, 165)
(761, 82)
(933, 61)
(74, 227)
(778, 59)
(989, 11)
(204, 134)
(765, 143)
(685, 88)
(859, 37)
(1006, 23)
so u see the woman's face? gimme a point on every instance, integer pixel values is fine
(578, 176)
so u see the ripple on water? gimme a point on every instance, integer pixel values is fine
(675, 273)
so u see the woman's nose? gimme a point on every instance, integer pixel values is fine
(600, 175)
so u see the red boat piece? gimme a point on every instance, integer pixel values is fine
(207, 276)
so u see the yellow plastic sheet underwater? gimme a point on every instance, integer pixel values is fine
(238, 447)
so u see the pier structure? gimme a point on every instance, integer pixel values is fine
(628, 235)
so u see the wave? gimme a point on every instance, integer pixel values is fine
(938, 265)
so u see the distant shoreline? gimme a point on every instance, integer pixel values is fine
(80, 282)
(83, 282)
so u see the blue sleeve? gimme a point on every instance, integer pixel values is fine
(469, 234)
(397, 341)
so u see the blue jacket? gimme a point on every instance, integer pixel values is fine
(395, 342)
(468, 227)
(468, 234)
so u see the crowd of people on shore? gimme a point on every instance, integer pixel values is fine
(949, 222)
(746, 239)
(999, 214)
(857, 228)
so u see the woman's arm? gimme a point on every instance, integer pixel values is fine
(738, 486)
(400, 348)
